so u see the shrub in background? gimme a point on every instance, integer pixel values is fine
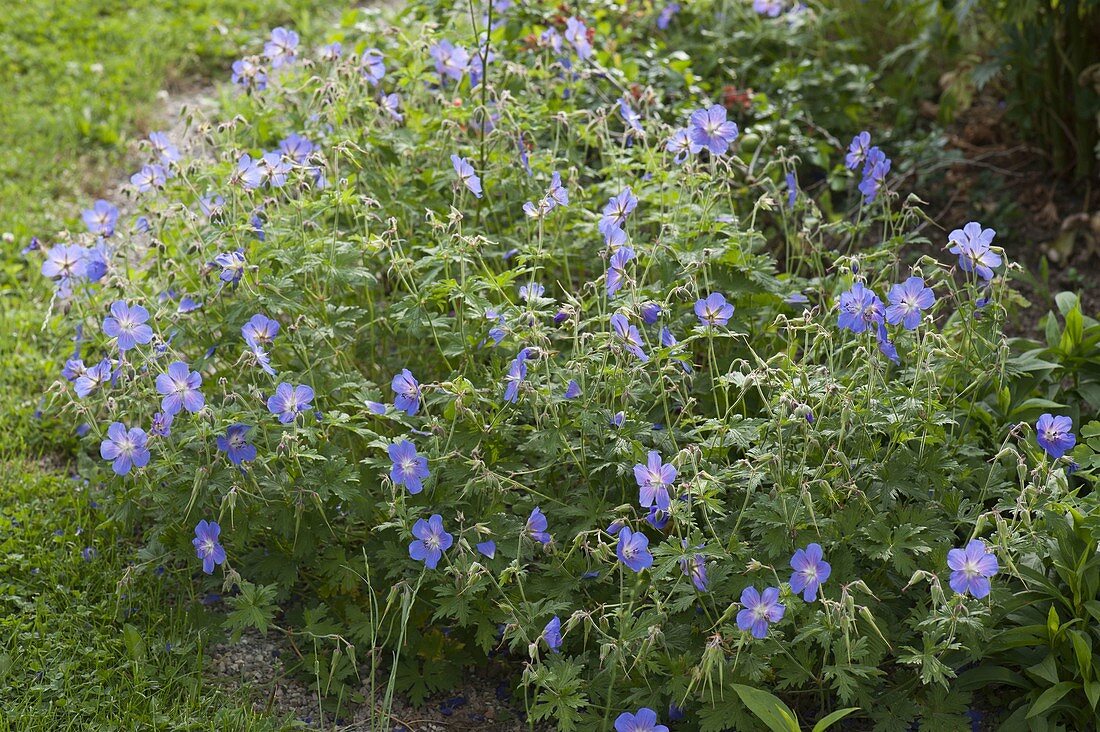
(516, 330)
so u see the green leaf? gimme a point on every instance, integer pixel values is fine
(1050, 697)
(830, 719)
(135, 644)
(769, 708)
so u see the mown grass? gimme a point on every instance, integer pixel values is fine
(85, 642)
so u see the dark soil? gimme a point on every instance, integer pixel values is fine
(1050, 224)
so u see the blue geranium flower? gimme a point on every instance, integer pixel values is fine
(289, 401)
(644, 720)
(126, 325)
(282, 47)
(616, 269)
(633, 550)
(713, 310)
(180, 387)
(552, 634)
(100, 218)
(409, 469)
(971, 567)
(654, 478)
(759, 610)
(431, 541)
(125, 448)
(810, 572)
(908, 300)
(709, 130)
(1055, 435)
(629, 336)
(207, 546)
(235, 444)
(972, 244)
(407, 392)
(536, 526)
(466, 174)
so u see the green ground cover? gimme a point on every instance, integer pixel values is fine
(81, 647)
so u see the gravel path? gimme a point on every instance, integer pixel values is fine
(256, 663)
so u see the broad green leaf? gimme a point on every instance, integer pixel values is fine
(769, 708)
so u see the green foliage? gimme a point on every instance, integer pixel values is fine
(784, 428)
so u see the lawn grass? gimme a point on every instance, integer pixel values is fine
(86, 643)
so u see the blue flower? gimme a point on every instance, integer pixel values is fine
(792, 189)
(260, 330)
(149, 177)
(65, 261)
(709, 130)
(409, 469)
(860, 308)
(232, 264)
(696, 569)
(431, 541)
(297, 147)
(392, 104)
(487, 548)
(666, 14)
(857, 150)
(373, 66)
(651, 312)
(629, 336)
(331, 52)
(875, 169)
(810, 572)
(180, 387)
(207, 546)
(235, 444)
(618, 419)
(679, 145)
(654, 479)
(517, 372)
(282, 47)
(617, 209)
(127, 325)
(657, 518)
(91, 378)
(466, 174)
(1055, 435)
(972, 244)
(552, 634)
(633, 550)
(125, 448)
(713, 310)
(450, 61)
(247, 72)
(972, 566)
(616, 269)
(162, 424)
(531, 291)
(249, 173)
(572, 390)
(164, 148)
(632, 119)
(536, 526)
(274, 168)
(768, 8)
(645, 720)
(908, 300)
(576, 32)
(759, 610)
(407, 392)
(100, 218)
(290, 401)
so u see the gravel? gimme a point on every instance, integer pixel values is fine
(255, 664)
